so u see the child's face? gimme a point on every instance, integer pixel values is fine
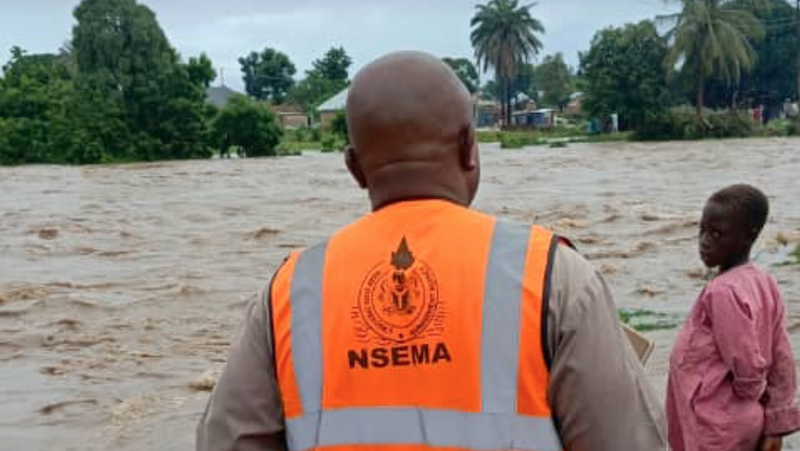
(724, 239)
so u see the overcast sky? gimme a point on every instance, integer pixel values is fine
(305, 29)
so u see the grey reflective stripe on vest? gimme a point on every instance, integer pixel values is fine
(408, 426)
(306, 299)
(502, 301)
(497, 427)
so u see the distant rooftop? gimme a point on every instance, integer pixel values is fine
(335, 103)
(220, 95)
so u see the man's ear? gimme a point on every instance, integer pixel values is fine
(468, 149)
(354, 166)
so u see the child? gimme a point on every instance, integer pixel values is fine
(731, 373)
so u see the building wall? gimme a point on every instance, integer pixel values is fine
(326, 118)
(294, 120)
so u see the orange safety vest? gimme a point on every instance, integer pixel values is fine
(419, 326)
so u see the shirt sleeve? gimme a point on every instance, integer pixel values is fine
(598, 391)
(244, 412)
(735, 332)
(781, 414)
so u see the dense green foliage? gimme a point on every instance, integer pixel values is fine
(712, 38)
(682, 123)
(328, 76)
(624, 74)
(554, 78)
(774, 77)
(119, 92)
(465, 71)
(268, 75)
(339, 127)
(504, 35)
(36, 98)
(247, 125)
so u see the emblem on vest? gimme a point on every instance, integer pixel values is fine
(399, 313)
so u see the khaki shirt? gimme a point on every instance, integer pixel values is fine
(598, 392)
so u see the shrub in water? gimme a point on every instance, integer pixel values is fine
(780, 128)
(332, 143)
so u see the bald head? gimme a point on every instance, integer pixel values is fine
(411, 129)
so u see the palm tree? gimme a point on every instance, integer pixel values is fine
(712, 37)
(504, 37)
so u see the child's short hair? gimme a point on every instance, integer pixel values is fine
(748, 202)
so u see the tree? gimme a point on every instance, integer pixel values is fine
(127, 69)
(268, 75)
(525, 82)
(504, 37)
(249, 125)
(328, 76)
(35, 119)
(335, 65)
(623, 73)
(492, 90)
(201, 71)
(465, 71)
(339, 127)
(711, 39)
(774, 78)
(554, 78)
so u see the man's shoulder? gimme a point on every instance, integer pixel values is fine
(571, 277)
(570, 260)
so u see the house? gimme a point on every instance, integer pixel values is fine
(219, 96)
(487, 112)
(290, 116)
(331, 107)
(575, 105)
(541, 118)
(523, 102)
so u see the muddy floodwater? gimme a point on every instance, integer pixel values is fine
(121, 287)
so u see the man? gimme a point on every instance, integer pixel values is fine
(426, 324)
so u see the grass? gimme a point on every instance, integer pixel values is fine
(557, 138)
(609, 137)
(510, 139)
(296, 141)
(647, 320)
(296, 147)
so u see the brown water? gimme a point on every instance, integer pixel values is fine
(120, 287)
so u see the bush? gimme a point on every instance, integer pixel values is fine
(780, 128)
(683, 124)
(332, 143)
(518, 140)
(489, 137)
(728, 125)
(339, 127)
(249, 125)
(656, 127)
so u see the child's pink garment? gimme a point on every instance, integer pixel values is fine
(731, 372)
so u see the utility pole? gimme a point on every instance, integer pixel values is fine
(797, 24)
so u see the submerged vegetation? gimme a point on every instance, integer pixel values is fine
(648, 320)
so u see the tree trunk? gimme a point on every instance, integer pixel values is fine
(701, 86)
(700, 95)
(797, 19)
(508, 103)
